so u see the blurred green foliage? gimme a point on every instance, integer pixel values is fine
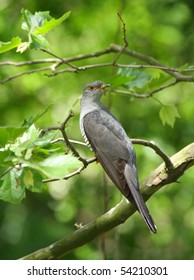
(162, 29)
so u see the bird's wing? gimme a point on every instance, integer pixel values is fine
(108, 142)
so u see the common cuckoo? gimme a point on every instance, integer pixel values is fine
(112, 147)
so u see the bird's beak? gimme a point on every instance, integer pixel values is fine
(104, 86)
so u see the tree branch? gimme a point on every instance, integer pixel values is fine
(152, 61)
(78, 171)
(66, 139)
(60, 59)
(166, 159)
(124, 39)
(181, 161)
(57, 61)
(146, 95)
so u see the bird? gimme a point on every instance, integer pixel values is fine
(113, 149)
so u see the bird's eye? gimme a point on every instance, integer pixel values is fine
(91, 88)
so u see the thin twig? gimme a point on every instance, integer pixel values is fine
(60, 139)
(110, 64)
(65, 137)
(168, 162)
(29, 62)
(147, 95)
(47, 129)
(151, 93)
(144, 66)
(32, 71)
(124, 39)
(60, 59)
(7, 171)
(68, 143)
(78, 142)
(78, 171)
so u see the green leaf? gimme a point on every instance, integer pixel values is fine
(4, 158)
(30, 22)
(168, 114)
(45, 140)
(49, 25)
(120, 80)
(11, 189)
(28, 178)
(25, 142)
(16, 181)
(39, 42)
(140, 79)
(9, 134)
(154, 72)
(37, 26)
(6, 46)
(32, 180)
(132, 78)
(56, 166)
(158, 78)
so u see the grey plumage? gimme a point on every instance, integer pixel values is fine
(113, 149)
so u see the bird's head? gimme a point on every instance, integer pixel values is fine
(94, 90)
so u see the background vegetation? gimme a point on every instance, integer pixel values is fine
(161, 29)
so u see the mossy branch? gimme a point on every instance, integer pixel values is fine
(158, 178)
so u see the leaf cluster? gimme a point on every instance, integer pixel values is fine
(27, 158)
(37, 26)
(139, 82)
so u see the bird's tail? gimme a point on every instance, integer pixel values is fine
(131, 178)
